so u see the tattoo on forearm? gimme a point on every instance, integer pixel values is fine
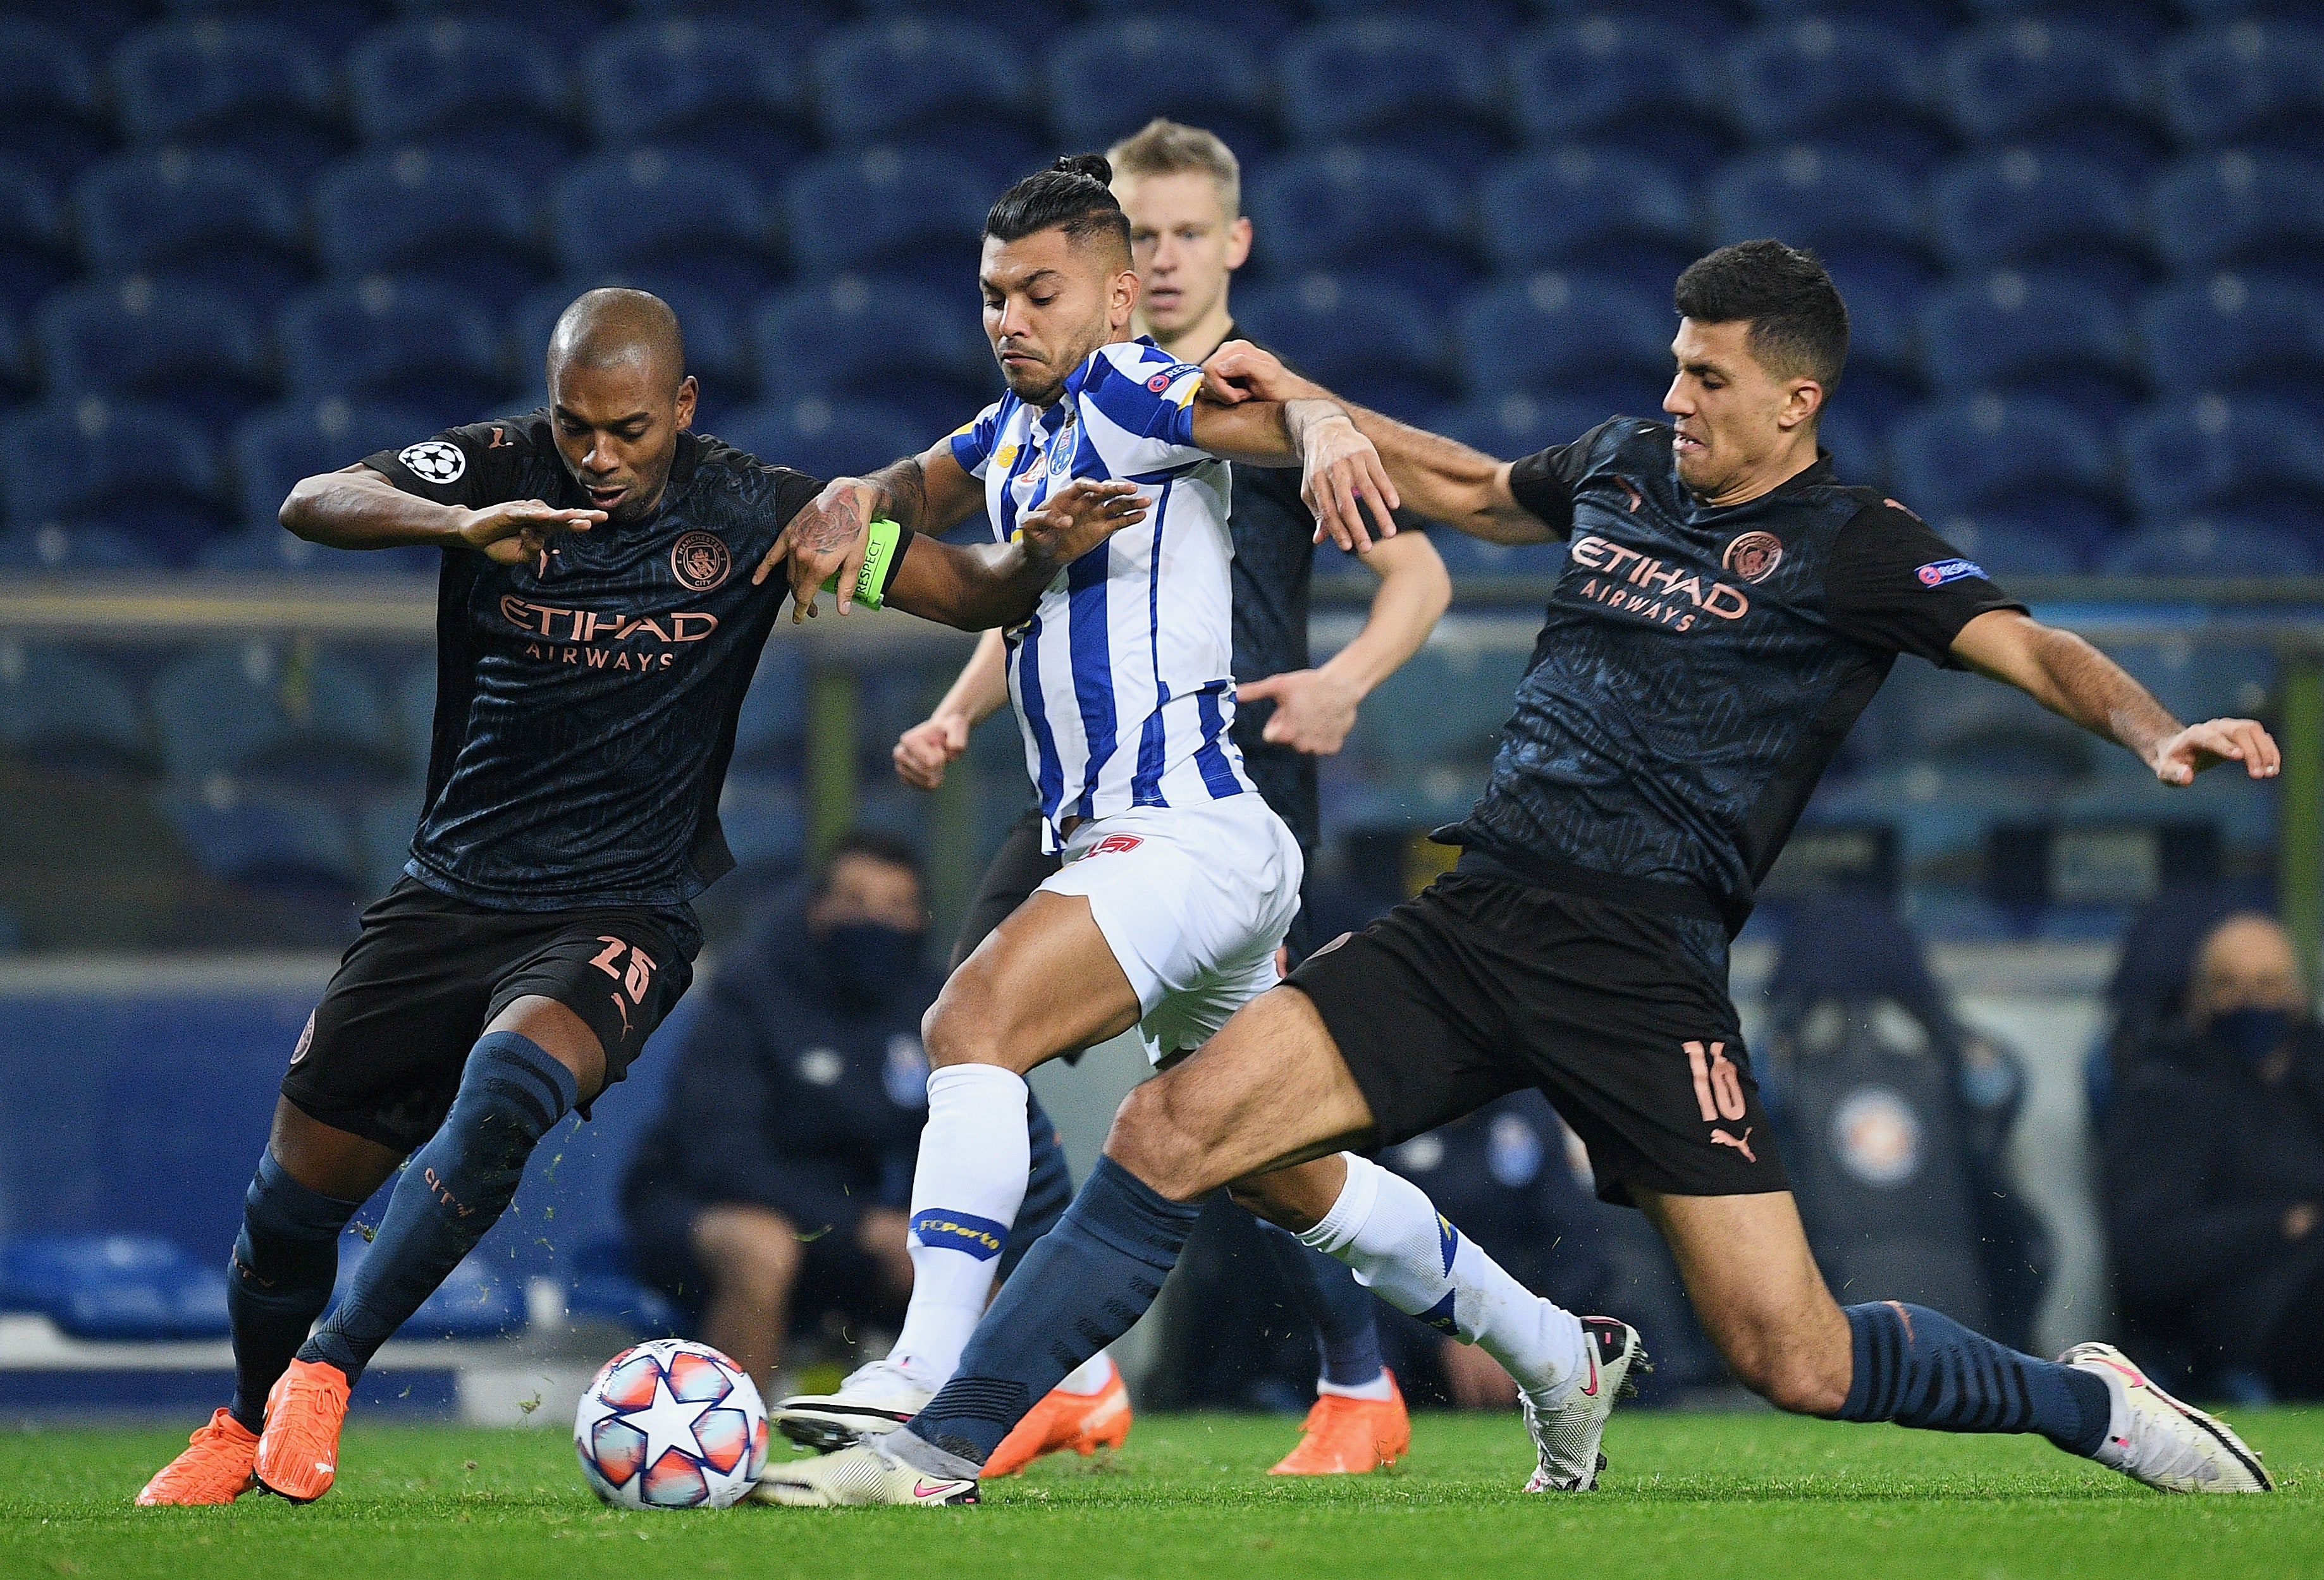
(907, 491)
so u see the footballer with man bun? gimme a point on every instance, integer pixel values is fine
(596, 629)
(1728, 608)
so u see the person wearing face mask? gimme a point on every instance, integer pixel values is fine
(2214, 1171)
(775, 1179)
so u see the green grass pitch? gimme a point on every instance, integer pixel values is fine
(1691, 1496)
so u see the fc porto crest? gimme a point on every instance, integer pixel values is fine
(1752, 556)
(699, 560)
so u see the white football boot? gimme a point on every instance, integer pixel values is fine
(1566, 1435)
(864, 1474)
(876, 1399)
(2153, 1439)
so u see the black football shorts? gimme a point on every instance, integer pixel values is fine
(383, 1054)
(1486, 984)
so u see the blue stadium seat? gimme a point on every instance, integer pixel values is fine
(32, 257)
(567, 26)
(770, 731)
(2249, 84)
(903, 211)
(1513, 425)
(2028, 83)
(56, 708)
(2010, 544)
(263, 838)
(1263, 24)
(2140, 23)
(2203, 546)
(1364, 213)
(2211, 454)
(2262, 341)
(602, 1290)
(861, 339)
(2234, 211)
(326, 25)
(2205, 681)
(716, 327)
(265, 547)
(1619, 82)
(1809, 197)
(687, 215)
(806, 23)
(1602, 343)
(2034, 333)
(2022, 208)
(827, 438)
(2035, 459)
(1924, 21)
(48, 113)
(1395, 81)
(1856, 439)
(257, 89)
(479, 89)
(275, 447)
(422, 345)
(1489, 23)
(143, 472)
(1577, 208)
(16, 364)
(712, 86)
(932, 83)
(114, 1287)
(1840, 85)
(1375, 343)
(73, 550)
(134, 339)
(406, 212)
(214, 219)
(259, 708)
(1108, 78)
(765, 825)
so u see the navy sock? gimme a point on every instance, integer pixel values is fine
(1347, 1328)
(1048, 1190)
(284, 1262)
(1079, 1290)
(453, 1190)
(1921, 1368)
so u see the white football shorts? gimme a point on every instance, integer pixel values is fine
(1194, 901)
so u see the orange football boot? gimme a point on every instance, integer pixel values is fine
(1347, 1436)
(298, 1452)
(215, 1468)
(1083, 1422)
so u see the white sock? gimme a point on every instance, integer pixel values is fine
(1384, 1228)
(966, 1188)
(1378, 1389)
(1092, 1376)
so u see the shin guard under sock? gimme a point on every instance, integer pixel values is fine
(966, 1188)
(1405, 1252)
(285, 1260)
(1921, 1368)
(1347, 1327)
(1079, 1290)
(453, 1190)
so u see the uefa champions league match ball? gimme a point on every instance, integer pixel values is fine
(671, 1424)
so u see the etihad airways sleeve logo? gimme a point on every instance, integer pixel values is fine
(1657, 590)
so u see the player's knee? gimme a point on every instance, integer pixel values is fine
(749, 1250)
(958, 1028)
(1147, 1141)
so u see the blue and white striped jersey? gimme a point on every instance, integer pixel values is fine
(1124, 677)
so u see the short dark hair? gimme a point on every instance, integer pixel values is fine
(879, 845)
(1073, 195)
(1799, 324)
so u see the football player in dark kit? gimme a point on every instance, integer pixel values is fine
(597, 627)
(1728, 607)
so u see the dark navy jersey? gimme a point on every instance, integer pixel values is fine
(585, 702)
(1699, 667)
(1274, 534)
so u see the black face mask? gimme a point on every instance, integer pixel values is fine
(865, 958)
(2251, 1033)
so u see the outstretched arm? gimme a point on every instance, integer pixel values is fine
(1439, 478)
(927, 749)
(358, 508)
(1342, 473)
(928, 493)
(1314, 709)
(2075, 681)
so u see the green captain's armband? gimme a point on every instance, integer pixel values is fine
(878, 559)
